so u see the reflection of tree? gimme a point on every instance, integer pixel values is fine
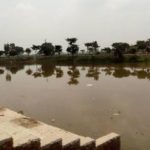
(121, 72)
(93, 72)
(47, 69)
(83, 68)
(142, 74)
(1, 71)
(29, 71)
(37, 74)
(59, 72)
(74, 73)
(14, 68)
(108, 71)
(8, 77)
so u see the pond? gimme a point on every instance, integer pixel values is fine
(87, 100)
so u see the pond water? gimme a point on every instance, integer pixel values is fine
(87, 100)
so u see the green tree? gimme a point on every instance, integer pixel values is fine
(58, 49)
(92, 47)
(148, 45)
(36, 48)
(119, 49)
(107, 50)
(12, 50)
(47, 49)
(141, 46)
(1, 53)
(6, 49)
(28, 51)
(95, 47)
(19, 50)
(89, 47)
(73, 48)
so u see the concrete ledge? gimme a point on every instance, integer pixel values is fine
(75, 145)
(18, 132)
(22, 138)
(108, 142)
(30, 145)
(6, 141)
(87, 143)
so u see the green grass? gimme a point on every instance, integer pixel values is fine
(80, 59)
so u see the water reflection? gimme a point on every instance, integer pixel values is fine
(93, 72)
(8, 77)
(2, 71)
(74, 74)
(108, 111)
(46, 70)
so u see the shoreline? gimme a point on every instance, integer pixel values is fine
(76, 60)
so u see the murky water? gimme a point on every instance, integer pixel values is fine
(88, 100)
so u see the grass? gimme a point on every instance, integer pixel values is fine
(80, 59)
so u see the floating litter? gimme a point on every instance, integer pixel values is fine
(117, 114)
(89, 85)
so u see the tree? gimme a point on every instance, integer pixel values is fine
(119, 49)
(6, 49)
(82, 51)
(73, 48)
(71, 40)
(58, 49)
(95, 46)
(19, 50)
(106, 50)
(1, 53)
(36, 48)
(132, 49)
(12, 50)
(89, 47)
(148, 45)
(92, 47)
(28, 51)
(141, 45)
(47, 49)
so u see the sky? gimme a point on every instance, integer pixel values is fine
(27, 22)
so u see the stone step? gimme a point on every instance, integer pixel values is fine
(28, 134)
(87, 143)
(6, 141)
(22, 139)
(108, 142)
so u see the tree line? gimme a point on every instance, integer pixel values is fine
(118, 49)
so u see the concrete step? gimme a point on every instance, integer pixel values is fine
(108, 142)
(6, 141)
(87, 143)
(28, 134)
(22, 139)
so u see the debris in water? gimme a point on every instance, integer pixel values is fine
(89, 85)
(117, 113)
(53, 120)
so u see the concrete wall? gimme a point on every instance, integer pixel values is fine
(18, 132)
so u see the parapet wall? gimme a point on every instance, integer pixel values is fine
(18, 132)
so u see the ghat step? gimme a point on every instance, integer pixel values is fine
(18, 132)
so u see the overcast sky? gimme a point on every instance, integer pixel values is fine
(27, 22)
